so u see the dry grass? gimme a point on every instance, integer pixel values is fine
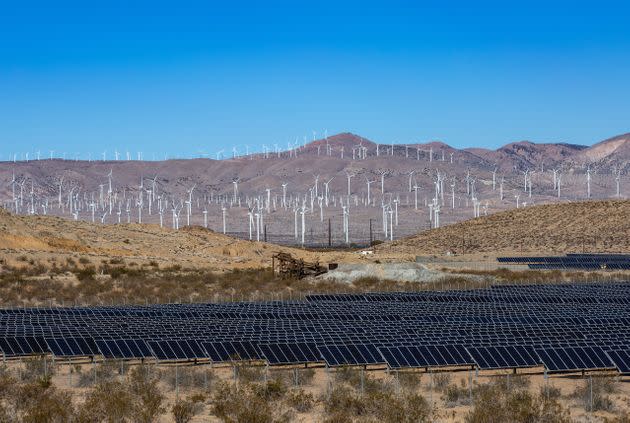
(590, 226)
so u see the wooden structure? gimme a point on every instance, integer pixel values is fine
(285, 265)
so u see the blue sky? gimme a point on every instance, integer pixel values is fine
(184, 77)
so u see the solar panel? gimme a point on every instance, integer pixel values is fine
(402, 329)
(297, 353)
(176, 349)
(621, 360)
(72, 347)
(502, 357)
(574, 358)
(350, 355)
(124, 348)
(231, 351)
(425, 356)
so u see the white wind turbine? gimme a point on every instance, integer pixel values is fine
(284, 194)
(326, 190)
(555, 177)
(223, 210)
(617, 173)
(368, 183)
(189, 204)
(60, 187)
(316, 184)
(525, 174)
(349, 175)
(13, 190)
(303, 211)
(235, 184)
(415, 195)
(410, 173)
(383, 174)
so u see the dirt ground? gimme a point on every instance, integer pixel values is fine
(431, 386)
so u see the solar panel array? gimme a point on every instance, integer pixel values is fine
(562, 327)
(573, 261)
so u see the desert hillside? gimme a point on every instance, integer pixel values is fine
(36, 236)
(591, 226)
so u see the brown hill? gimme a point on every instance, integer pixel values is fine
(45, 237)
(524, 155)
(592, 226)
(615, 149)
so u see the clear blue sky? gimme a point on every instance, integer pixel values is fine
(182, 77)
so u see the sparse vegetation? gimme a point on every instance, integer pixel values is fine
(593, 394)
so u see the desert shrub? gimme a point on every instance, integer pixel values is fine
(410, 381)
(84, 260)
(494, 404)
(305, 376)
(187, 377)
(343, 404)
(85, 274)
(37, 369)
(348, 375)
(184, 410)
(148, 396)
(342, 399)
(456, 395)
(138, 400)
(109, 401)
(550, 392)
(602, 387)
(247, 373)
(513, 381)
(353, 377)
(103, 372)
(271, 390)
(300, 400)
(36, 402)
(234, 405)
(441, 381)
(407, 408)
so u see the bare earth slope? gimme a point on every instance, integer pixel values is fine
(35, 236)
(591, 226)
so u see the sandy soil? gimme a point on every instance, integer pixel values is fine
(323, 378)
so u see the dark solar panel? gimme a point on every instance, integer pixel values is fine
(621, 360)
(296, 353)
(502, 357)
(574, 358)
(350, 355)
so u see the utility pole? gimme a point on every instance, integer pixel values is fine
(371, 239)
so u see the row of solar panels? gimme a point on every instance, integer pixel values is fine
(399, 357)
(573, 256)
(573, 261)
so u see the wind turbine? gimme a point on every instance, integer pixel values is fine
(368, 182)
(326, 190)
(588, 182)
(410, 173)
(617, 173)
(349, 175)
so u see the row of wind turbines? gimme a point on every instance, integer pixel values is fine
(415, 199)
